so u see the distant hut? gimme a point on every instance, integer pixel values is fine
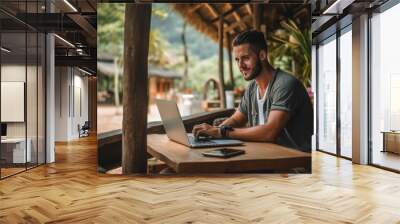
(161, 80)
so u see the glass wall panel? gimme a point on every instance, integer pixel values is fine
(327, 96)
(346, 94)
(31, 97)
(41, 98)
(385, 84)
(22, 89)
(14, 146)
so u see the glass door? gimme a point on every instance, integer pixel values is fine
(385, 89)
(326, 95)
(346, 92)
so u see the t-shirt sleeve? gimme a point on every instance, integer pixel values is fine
(286, 97)
(243, 106)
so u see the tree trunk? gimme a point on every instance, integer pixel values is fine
(92, 86)
(221, 61)
(185, 56)
(135, 88)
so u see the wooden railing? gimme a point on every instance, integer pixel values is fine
(109, 144)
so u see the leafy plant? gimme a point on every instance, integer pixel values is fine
(290, 50)
(110, 41)
(229, 86)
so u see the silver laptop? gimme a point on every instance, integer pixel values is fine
(175, 129)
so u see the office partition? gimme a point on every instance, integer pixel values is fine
(23, 88)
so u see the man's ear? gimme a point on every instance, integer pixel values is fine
(263, 55)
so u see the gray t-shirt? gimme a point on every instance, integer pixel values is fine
(286, 93)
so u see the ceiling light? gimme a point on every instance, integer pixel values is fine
(70, 5)
(79, 51)
(84, 71)
(338, 6)
(5, 50)
(64, 40)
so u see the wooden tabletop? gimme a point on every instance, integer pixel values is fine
(258, 157)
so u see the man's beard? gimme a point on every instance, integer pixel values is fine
(255, 72)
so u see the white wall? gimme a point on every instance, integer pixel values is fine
(71, 94)
(33, 126)
(61, 103)
(13, 73)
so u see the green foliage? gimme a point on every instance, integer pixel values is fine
(111, 19)
(229, 86)
(290, 50)
(171, 27)
(110, 28)
(157, 46)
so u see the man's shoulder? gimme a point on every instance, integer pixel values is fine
(285, 80)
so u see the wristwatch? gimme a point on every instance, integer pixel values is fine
(224, 129)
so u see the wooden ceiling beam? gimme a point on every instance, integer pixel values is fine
(195, 8)
(249, 9)
(217, 16)
(212, 10)
(230, 11)
(231, 27)
(203, 19)
(238, 19)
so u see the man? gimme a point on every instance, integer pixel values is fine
(275, 106)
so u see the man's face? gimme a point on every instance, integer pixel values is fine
(248, 61)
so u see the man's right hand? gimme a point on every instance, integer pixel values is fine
(206, 130)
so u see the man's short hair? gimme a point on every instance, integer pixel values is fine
(253, 37)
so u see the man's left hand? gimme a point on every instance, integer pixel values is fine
(206, 130)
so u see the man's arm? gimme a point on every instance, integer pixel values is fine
(236, 120)
(268, 132)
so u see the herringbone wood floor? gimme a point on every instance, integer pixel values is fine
(71, 191)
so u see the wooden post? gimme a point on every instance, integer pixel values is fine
(221, 61)
(185, 57)
(257, 15)
(135, 88)
(232, 80)
(92, 86)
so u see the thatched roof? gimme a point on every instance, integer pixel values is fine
(239, 17)
(205, 17)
